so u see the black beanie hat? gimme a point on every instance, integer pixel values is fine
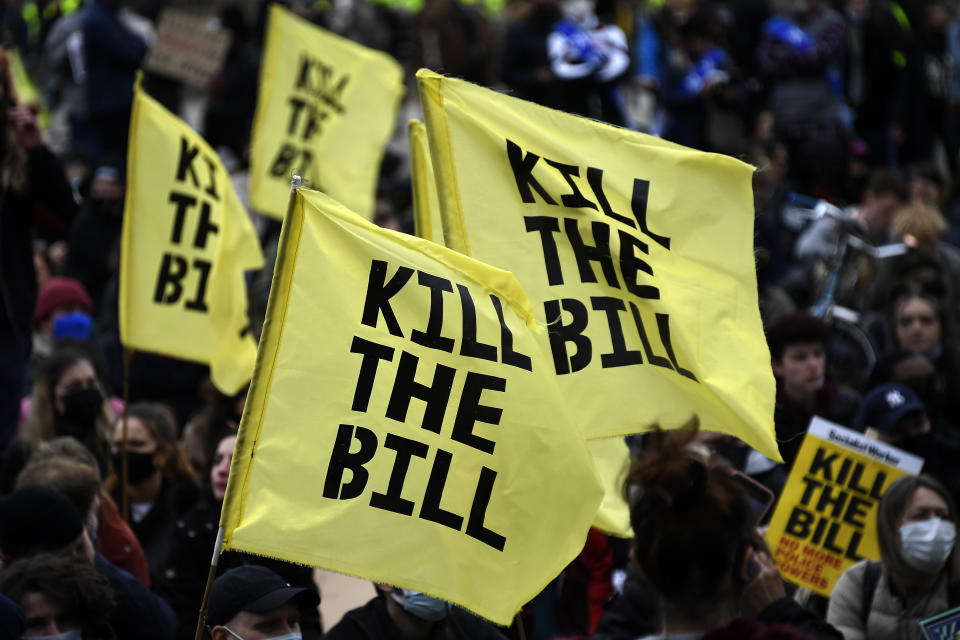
(36, 520)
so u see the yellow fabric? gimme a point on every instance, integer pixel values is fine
(611, 456)
(679, 257)
(426, 208)
(311, 390)
(325, 110)
(826, 518)
(186, 243)
(27, 92)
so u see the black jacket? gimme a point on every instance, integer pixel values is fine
(373, 622)
(45, 206)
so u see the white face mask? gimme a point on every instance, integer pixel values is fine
(290, 636)
(926, 545)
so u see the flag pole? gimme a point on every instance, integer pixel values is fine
(124, 465)
(205, 603)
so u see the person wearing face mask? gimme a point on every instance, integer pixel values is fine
(254, 603)
(67, 400)
(406, 614)
(919, 575)
(920, 324)
(194, 534)
(160, 485)
(894, 414)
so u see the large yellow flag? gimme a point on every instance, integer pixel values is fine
(403, 424)
(186, 242)
(636, 252)
(426, 208)
(326, 107)
(611, 457)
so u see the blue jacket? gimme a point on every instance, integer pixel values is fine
(139, 614)
(113, 54)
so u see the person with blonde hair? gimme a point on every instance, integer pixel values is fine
(67, 400)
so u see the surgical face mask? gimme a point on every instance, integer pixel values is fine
(926, 545)
(66, 635)
(421, 605)
(290, 636)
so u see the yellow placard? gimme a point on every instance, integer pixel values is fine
(426, 208)
(187, 241)
(326, 107)
(826, 518)
(403, 424)
(637, 254)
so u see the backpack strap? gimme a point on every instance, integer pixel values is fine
(871, 577)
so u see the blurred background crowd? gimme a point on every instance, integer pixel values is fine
(849, 109)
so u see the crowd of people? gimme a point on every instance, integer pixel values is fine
(849, 109)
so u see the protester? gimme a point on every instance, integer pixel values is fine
(62, 597)
(67, 400)
(34, 190)
(409, 615)
(68, 467)
(893, 413)
(919, 575)
(254, 603)
(36, 520)
(192, 539)
(920, 325)
(696, 542)
(160, 486)
(798, 350)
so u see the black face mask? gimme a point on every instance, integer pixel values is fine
(81, 408)
(111, 208)
(139, 466)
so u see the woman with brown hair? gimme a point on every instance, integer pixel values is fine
(696, 543)
(67, 400)
(160, 485)
(919, 575)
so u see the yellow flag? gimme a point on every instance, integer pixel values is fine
(426, 207)
(186, 242)
(826, 518)
(26, 90)
(326, 107)
(403, 425)
(611, 457)
(637, 253)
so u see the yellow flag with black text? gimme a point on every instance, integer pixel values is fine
(637, 253)
(326, 107)
(423, 441)
(186, 243)
(426, 208)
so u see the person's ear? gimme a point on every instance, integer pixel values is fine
(220, 633)
(749, 567)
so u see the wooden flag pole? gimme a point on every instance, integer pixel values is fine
(124, 466)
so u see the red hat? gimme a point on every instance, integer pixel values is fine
(60, 292)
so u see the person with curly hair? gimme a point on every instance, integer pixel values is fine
(62, 596)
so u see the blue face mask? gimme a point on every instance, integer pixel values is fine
(290, 636)
(421, 605)
(66, 635)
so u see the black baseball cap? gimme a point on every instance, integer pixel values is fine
(256, 589)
